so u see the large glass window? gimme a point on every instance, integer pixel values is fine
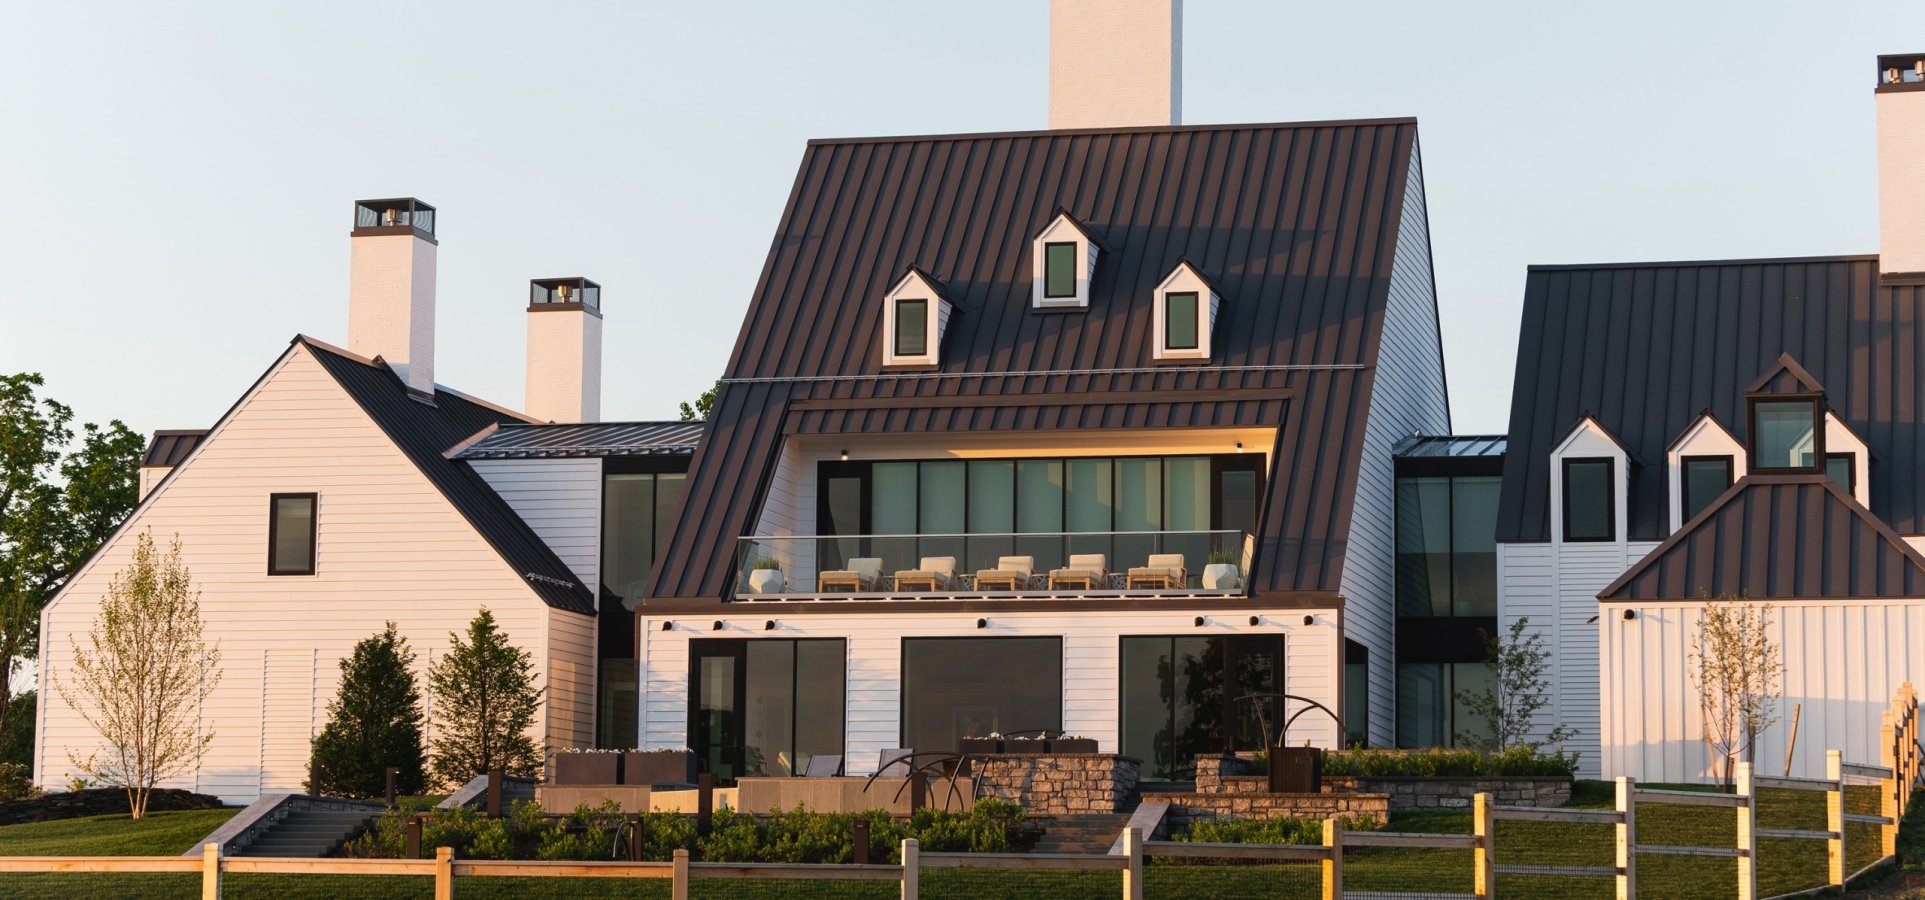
(1059, 270)
(1356, 693)
(1447, 545)
(1174, 702)
(1785, 434)
(1430, 708)
(1179, 321)
(291, 530)
(637, 507)
(954, 688)
(1590, 507)
(766, 707)
(912, 327)
(1704, 479)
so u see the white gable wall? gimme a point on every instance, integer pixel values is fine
(390, 548)
(561, 499)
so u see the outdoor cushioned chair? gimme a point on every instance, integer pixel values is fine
(1165, 572)
(1012, 573)
(894, 763)
(932, 573)
(824, 765)
(1090, 571)
(862, 575)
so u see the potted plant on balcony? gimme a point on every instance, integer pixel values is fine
(1221, 574)
(642, 768)
(1072, 744)
(765, 576)
(981, 746)
(588, 767)
(1025, 745)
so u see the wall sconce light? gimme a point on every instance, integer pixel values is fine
(1309, 620)
(845, 456)
(982, 623)
(1630, 614)
(1239, 446)
(668, 626)
(1256, 620)
(718, 626)
(1200, 620)
(769, 625)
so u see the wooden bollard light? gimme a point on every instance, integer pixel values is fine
(495, 779)
(860, 841)
(413, 839)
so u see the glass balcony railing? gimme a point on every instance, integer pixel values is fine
(990, 565)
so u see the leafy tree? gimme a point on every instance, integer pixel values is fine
(141, 681)
(374, 722)
(16, 736)
(1739, 672)
(485, 701)
(56, 506)
(1519, 690)
(703, 404)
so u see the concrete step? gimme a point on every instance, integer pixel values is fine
(310, 833)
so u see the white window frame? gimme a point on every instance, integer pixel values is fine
(1062, 230)
(914, 286)
(1706, 437)
(1840, 439)
(1589, 440)
(1184, 279)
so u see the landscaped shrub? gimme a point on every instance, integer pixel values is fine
(16, 782)
(1445, 763)
(374, 721)
(1271, 831)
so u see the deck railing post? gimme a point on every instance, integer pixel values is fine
(210, 871)
(678, 882)
(1333, 859)
(1835, 818)
(1483, 827)
(1747, 835)
(1627, 839)
(1133, 869)
(444, 873)
(911, 869)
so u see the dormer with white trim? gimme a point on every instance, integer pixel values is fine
(1704, 462)
(1590, 475)
(1063, 263)
(1186, 306)
(1847, 459)
(914, 314)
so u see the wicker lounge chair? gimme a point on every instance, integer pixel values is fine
(932, 573)
(1089, 571)
(862, 574)
(1165, 572)
(1012, 573)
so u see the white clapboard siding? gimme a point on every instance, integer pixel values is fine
(1312, 657)
(1406, 396)
(1843, 660)
(560, 499)
(390, 548)
(571, 679)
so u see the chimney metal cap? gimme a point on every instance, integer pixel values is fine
(399, 215)
(576, 293)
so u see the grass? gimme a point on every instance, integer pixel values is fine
(1784, 866)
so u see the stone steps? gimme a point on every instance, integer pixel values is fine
(1081, 833)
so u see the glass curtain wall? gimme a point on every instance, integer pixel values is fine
(1446, 553)
(1175, 704)
(636, 508)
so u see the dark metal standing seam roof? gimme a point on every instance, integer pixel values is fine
(1295, 224)
(1778, 537)
(424, 433)
(1647, 347)
(1450, 446)
(551, 441)
(168, 448)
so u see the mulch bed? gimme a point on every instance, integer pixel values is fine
(97, 802)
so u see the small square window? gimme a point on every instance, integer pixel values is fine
(912, 327)
(1589, 503)
(1179, 321)
(290, 534)
(1705, 479)
(1059, 270)
(1785, 434)
(1839, 466)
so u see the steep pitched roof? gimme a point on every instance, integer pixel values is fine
(1647, 347)
(1778, 537)
(424, 433)
(1296, 224)
(549, 440)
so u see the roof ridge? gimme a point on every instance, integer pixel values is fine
(1134, 129)
(1701, 263)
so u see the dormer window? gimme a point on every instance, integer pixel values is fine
(1590, 493)
(1186, 308)
(1590, 470)
(1064, 263)
(1786, 434)
(914, 313)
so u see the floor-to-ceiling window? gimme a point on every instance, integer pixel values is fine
(638, 499)
(1182, 696)
(955, 688)
(1446, 594)
(765, 706)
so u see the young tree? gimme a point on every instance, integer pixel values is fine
(1738, 672)
(703, 404)
(1519, 689)
(142, 680)
(485, 700)
(374, 722)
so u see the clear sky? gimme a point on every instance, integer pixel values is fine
(176, 178)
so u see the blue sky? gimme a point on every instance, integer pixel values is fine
(176, 179)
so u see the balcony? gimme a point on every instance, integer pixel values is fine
(992, 566)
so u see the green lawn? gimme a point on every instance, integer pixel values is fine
(160, 834)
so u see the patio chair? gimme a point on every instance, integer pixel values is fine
(1089, 571)
(862, 574)
(1165, 572)
(823, 765)
(894, 763)
(932, 573)
(1012, 573)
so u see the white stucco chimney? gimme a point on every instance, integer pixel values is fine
(564, 350)
(1115, 63)
(391, 288)
(1900, 98)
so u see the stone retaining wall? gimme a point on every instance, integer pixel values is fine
(1215, 775)
(1059, 784)
(1188, 808)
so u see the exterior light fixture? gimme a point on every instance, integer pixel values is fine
(845, 456)
(1256, 620)
(668, 626)
(769, 625)
(1630, 614)
(1309, 620)
(982, 623)
(1199, 621)
(1239, 446)
(392, 216)
(718, 626)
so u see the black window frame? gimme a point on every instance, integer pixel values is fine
(1757, 459)
(1685, 514)
(895, 339)
(1610, 498)
(1851, 470)
(1074, 256)
(1196, 316)
(274, 532)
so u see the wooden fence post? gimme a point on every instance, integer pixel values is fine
(1888, 786)
(911, 869)
(496, 779)
(1835, 818)
(678, 883)
(1747, 835)
(1333, 859)
(444, 873)
(1483, 826)
(1627, 840)
(210, 871)
(1133, 869)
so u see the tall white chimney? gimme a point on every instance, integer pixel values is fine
(391, 288)
(564, 350)
(1900, 97)
(1115, 63)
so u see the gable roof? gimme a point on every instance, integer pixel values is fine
(424, 433)
(1648, 346)
(1297, 224)
(1785, 376)
(1778, 537)
(549, 440)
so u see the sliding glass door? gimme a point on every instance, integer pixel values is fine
(765, 707)
(1183, 696)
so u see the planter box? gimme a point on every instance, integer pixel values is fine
(765, 581)
(1072, 745)
(1025, 747)
(980, 746)
(588, 768)
(1296, 770)
(644, 768)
